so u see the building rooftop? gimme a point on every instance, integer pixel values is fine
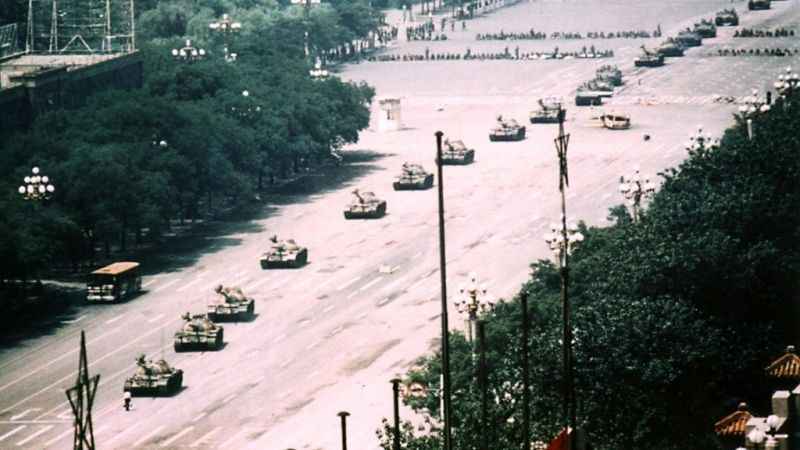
(734, 424)
(12, 70)
(786, 367)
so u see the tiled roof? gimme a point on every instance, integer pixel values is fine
(733, 424)
(786, 367)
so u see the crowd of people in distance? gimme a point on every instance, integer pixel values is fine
(751, 32)
(540, 35)
(386, 35)
(504, 55)
(758, 52)
(424, 32)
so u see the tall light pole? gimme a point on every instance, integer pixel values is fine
(635, 189)
(188, 52)
(36, 187)
(560, 243)
(227, 27)
(343, 415)
(306, 11)
(472, 300)
(526, 407)
(396, 396)
(752, 106)
(448, 444)
(701, 142)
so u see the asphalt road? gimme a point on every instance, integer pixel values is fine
(329, 336)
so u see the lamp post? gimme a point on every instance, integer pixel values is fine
(526, 407)
(306, 10)
(635, 189)
(752, 106)
(396, 391)
(343, 415)
(754, 439)
(483, 382)
(247, 111)
(36, 187)
(318, 73)
(473, 299)
(448, 445)
(786, 84)
(227, 27)
(701, 142)
(561, 244)
(188, 52)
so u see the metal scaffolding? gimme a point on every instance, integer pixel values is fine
(80, 26)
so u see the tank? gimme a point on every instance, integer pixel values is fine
(616, 121)
(365, 205)
(706, 29)
(230, 304)
(413, 177)
(548, 111)
(689, 38)
(603, 87)
(455, 153)
(284, 254)
(670, 48)
(727, 17)
(588, 98)
(649, 59)
(153, 379)
(198, 333)
(753, 5)
(610, 74)
(507, 130)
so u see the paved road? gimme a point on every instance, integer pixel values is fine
(329, 336)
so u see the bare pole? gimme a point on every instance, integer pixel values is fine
(133, 27)
(29, 45)
(448, 445)
(108, 26)
(526, 407)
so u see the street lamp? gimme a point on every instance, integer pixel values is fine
(752, 106)
(36, 187)
(246, 112)
(756, 437)
(701, 142)
(227, 27)
(318, 73)
(473, 299)
(562, 243)
(635, 189)
(306, 9)
(188, 52)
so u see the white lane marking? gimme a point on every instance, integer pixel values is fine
(110, 321)
(228, 398)
(352, 294)
(76, 320)
(186, 286)
(34, 436)
(155, 319)
(279, 338)
(205, 437)
(328, 308)
(391, 286)
(232, 438)
(53, 361)
(49, 411)
(94, 362)
(167, 284)
(59, 437)
(420, 281)
(383, 302)
(149, 282)
(370, 284)
(286, 363)
(313, 344)
(13, 432)
(147, 436)
(24, 413)
(200, 416)
(177, 436)
(348, 283)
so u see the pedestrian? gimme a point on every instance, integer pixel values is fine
(126, 400)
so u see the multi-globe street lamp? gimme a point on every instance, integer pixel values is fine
(247, 111)
(701, 141)
(635, 189)
(786, 83)
(318, 73)
(753, 105)
(36, 187)
(472, 300)
(227, 27)
(188, 52)
(306, 10)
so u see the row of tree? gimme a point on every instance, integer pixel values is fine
(676, 315)
(129, 163)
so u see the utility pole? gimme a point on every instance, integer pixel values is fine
(448, 444)
(81, 399)
(526, 406)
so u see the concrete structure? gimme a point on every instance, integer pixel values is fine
(34, 84)
(390, 116)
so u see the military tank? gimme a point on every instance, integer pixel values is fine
(284, 254)
(603, 87)
(670, 48)
(610, 74)
(588, 98)
(754, 5)
(726, 17)
(413, 177)
(548, 112)
(198, 333)
(365, 205)
(230, 304)
(689, 38)
(456, 153)
(507, 130)
(706, 29)
(153, 379)
(649, 59)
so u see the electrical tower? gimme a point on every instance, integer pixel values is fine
(81, 399)
(80, 26)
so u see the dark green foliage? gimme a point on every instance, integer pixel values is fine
(675, 316)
